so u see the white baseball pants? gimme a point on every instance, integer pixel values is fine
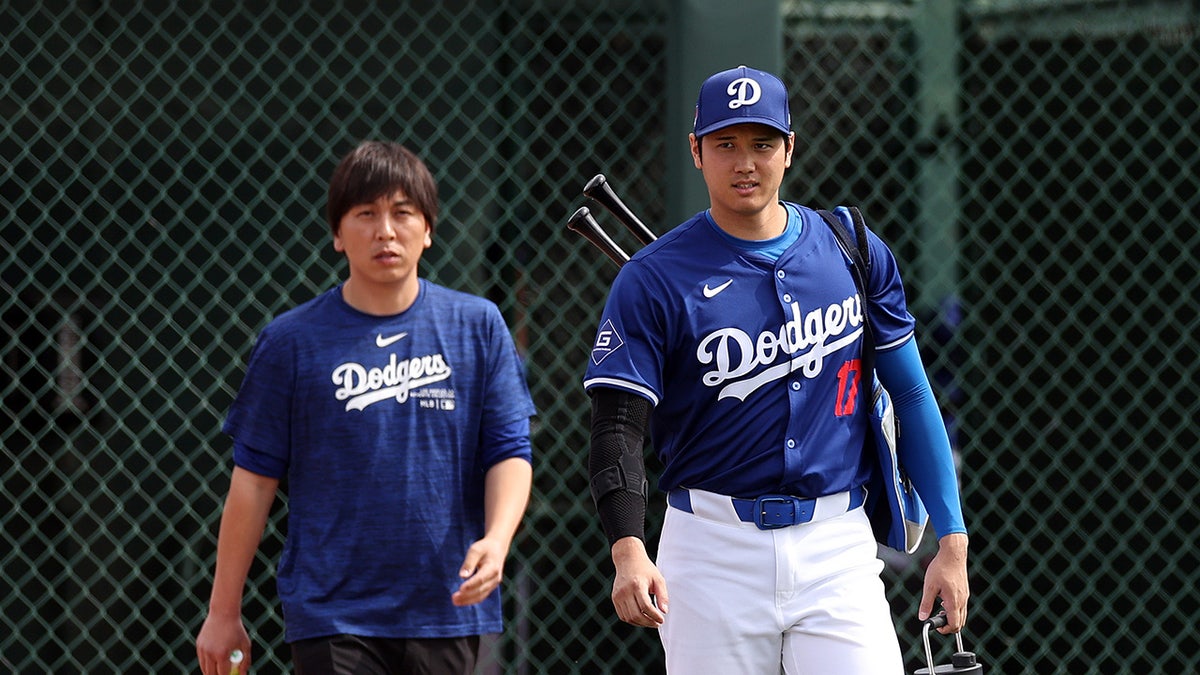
(804, 599)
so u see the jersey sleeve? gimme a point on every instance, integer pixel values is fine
(888, 307)
(628, 351)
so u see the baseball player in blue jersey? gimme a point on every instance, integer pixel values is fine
(734, 339)
(397, 413)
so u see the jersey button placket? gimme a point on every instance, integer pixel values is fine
(789, 455)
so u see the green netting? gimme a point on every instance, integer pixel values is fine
(1034, 165)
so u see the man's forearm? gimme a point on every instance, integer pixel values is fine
(506, 495)
(242, 522)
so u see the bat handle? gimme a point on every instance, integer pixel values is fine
(583, 223)
(599, 189)
(235, 660)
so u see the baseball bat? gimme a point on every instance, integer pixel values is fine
(599, 189)
(583, 223)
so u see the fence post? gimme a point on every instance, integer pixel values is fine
(935, 23)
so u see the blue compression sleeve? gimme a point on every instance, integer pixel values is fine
(924, 447)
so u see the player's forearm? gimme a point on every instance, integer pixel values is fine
(924, 450)
(622, 514)
(506, 495)
(615, 463)
(242, 522)
(923, 447)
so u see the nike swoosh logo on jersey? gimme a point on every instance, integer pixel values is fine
(382, 342)
(712, 292)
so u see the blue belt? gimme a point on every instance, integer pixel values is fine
(769, 512)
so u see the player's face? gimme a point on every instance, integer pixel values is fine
(743, 168)
(383, 240)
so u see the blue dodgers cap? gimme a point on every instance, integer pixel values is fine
(739, 96)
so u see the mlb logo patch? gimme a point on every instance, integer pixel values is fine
(607, 342)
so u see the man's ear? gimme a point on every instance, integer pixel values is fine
(695, 144)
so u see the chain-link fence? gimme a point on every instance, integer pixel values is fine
(1033, 163)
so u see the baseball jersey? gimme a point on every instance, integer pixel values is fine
(752, 364)
(377, 421)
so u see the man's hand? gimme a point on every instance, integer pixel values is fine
(218, 638)
(946, 578)
(482, 570)
(505, 494)
(639, 590)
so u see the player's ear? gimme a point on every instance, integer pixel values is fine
(790, 145)
(695, 144)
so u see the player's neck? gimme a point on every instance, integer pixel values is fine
(381, 299)
(755, 226)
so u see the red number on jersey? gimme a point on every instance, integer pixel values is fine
(848, 378)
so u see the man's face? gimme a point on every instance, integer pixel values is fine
(743, 168)
(383, 240)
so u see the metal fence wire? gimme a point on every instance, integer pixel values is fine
(1032, 163)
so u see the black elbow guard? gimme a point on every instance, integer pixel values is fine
(619, 422)
(629, 475)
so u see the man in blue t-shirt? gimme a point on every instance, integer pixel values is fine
(397, 414)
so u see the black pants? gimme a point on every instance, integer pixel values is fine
(354, 655)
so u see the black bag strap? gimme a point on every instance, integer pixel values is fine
(860, 265)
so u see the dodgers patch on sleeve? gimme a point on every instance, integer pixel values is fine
(607, 342)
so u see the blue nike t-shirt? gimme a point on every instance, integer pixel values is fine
(373, 424)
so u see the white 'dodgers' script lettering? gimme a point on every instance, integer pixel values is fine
(805, 338)
(360, 386)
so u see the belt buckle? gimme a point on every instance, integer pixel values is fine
(772, 507)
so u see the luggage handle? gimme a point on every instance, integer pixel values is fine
(934, 622)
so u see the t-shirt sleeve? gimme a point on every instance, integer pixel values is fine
(258, 462)
(260, 415)
(506, 398)
(505, 441)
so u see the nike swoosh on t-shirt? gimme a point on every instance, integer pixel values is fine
(382, 342)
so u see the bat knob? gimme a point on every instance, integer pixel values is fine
(594, 184)
(580, 213)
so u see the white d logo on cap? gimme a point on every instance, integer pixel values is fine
(744, 91)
